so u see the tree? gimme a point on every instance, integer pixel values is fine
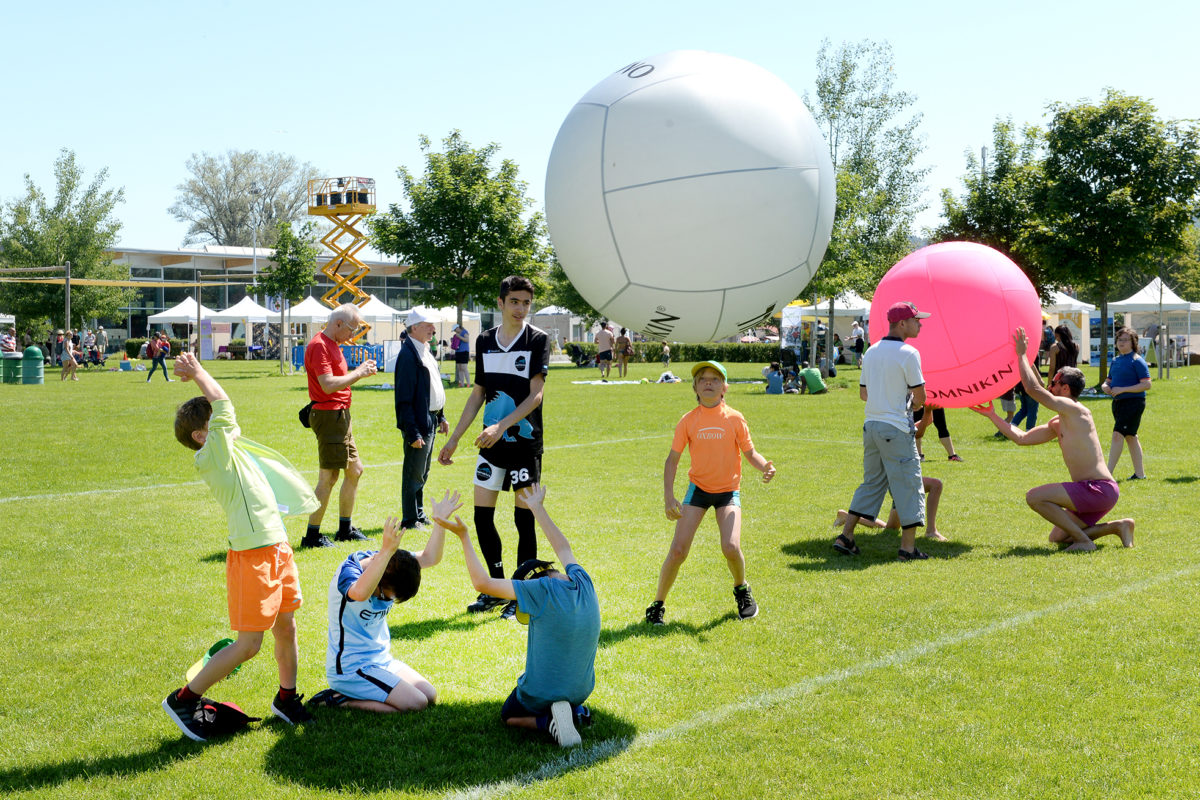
(77, 225)
(468, 227)
(220, 202)
(999, 208)
(874, 150)
(557, 290)
(292, 270)
(1120, 190)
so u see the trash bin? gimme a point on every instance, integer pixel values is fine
(32, 370)
(10, 368)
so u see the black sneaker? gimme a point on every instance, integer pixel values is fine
(654, 613)
(562, 724)
(583, 717)
(915, 555)
(327, 698)
(354, 535)
(320, 540)
(747, 608)
(292, 710)
(510, 611)
(485, 602)
(188, 715)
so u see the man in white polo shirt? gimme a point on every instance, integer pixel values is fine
(420, 400)
(893, 387)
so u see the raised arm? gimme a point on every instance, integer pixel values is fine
(374, 566)
(534, 497)
(188, 368)
(480, 579)
(1032, 381)
(443, 509)
(331, 383)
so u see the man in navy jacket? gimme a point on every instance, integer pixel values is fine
(420, 399)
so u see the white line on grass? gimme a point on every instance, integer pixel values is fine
(121, 489)
(586, 756)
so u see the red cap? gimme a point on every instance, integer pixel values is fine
(902, 311)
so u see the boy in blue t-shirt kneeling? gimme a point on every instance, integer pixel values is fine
(563, 615)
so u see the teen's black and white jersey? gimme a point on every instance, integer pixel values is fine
(504, 374)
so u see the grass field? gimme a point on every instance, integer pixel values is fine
(999, 669)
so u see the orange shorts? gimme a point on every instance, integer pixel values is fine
(260, 585)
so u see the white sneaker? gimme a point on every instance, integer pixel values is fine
(562, 724)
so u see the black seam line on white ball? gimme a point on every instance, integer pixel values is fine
(607, 216)
(603, 307)
(720, 314)
(707, 291)
(645, 86)
(707, 175)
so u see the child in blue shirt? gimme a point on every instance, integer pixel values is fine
(564, 629)
(359, 665)
(1127, 382)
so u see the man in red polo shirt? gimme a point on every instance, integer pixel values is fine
(329, 382)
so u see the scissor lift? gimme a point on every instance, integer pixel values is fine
(345, 202)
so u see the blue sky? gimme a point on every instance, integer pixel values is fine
(139, 87)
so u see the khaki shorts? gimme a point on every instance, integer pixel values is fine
(260, 585)
(335, 437)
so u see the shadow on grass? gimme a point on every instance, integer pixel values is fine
(58, 773)
(214, 558)
(878, 546)
(611, 636)
(1024, 550)
(425, 628)
(456, 745)
(1183, 479)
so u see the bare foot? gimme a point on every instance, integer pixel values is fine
(935, 534)
(1125, 531)
(840, 519)
(1059, 536)
(1079, 547)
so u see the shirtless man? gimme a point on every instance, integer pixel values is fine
(1074, 508)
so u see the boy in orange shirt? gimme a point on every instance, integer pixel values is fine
(716, 436)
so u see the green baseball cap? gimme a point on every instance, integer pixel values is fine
(715, 365)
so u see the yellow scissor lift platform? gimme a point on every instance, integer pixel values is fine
(345, 202)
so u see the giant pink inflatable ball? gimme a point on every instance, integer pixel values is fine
(977, 298)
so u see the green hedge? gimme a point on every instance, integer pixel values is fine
(730, 352)
(134, 346)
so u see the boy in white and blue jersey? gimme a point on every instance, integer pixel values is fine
(511, 364)
(359, 665)
(563, 615)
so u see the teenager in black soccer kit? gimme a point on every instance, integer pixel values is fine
(511, 361)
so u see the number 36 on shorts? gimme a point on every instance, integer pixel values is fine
(489, 476)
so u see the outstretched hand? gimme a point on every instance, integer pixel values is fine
(185, 366)
(392, 533)
(457, 527)
(1020, 342)
(445, 508)
(986, 409)
(534, 495)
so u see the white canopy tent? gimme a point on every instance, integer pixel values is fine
(310, 310)
(186, 311)
(847, 304)
(244, 310)
(1076, 315)
(1156, 298)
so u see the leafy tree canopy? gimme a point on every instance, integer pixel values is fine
(467, 226)
(294, 263)
(77, 225)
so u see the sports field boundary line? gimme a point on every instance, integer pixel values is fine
(591, 754)
(597, 443)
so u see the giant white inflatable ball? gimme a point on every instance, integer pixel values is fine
(689, 196)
